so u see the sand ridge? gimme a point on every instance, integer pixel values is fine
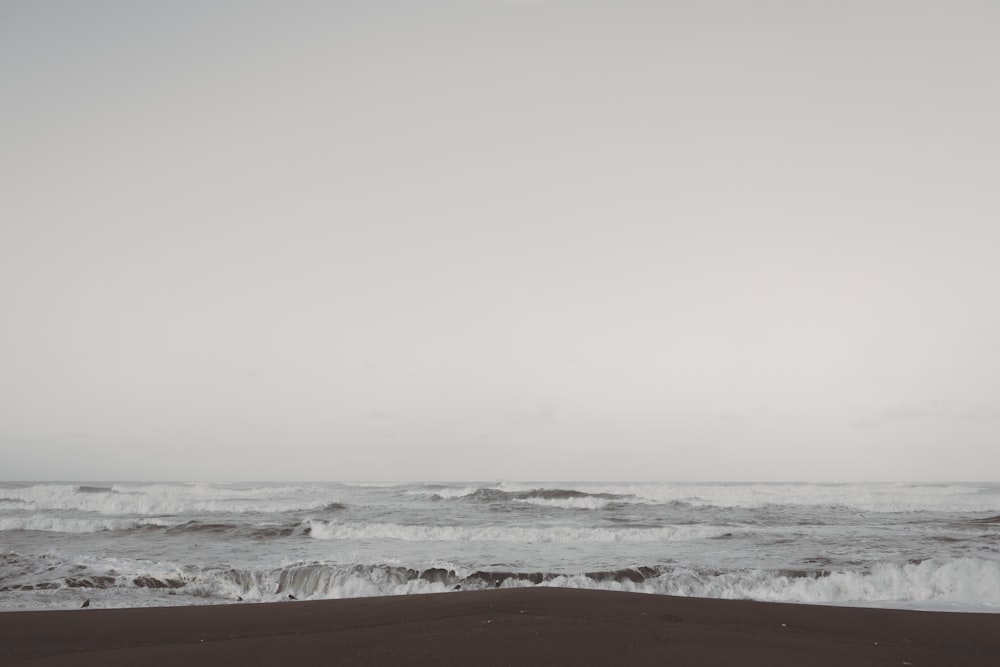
(518, 626)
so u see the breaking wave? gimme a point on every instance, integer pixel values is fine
(575, 503)
(966, 581)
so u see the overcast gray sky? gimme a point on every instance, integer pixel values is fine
(480, 239)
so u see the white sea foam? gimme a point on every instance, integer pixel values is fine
(443, 492)
(950, 584)
(573, 502)
(967, 581)
(959, 582)
(318, 580)
(267, 541)
(328, 530)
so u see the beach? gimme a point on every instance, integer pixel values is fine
(516, 626)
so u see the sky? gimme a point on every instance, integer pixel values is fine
(489, 239)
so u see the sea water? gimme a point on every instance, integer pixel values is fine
(923, 546)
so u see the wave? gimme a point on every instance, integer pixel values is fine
(567, 498)
(182, 498)
(99, 525)
(546, 497)
(963, 581)
(580, 503)
(987, 520)
(168, 499)
(867, 497)
(254, 531)
(437, 492)
(68, 525)
(862, 497)
(330, 530)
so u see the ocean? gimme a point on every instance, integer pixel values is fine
(124, 544)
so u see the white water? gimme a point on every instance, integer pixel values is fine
(124, 544)
(366, 531)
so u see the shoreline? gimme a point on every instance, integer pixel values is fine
(529, 626)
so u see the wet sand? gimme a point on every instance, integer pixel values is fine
(529, 626)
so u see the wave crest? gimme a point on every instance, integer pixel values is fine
(962, 582)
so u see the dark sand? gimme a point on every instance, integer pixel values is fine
(533, 626)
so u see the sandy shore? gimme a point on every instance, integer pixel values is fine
(536, 626)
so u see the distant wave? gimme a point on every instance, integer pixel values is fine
(568, 498)
(547, 497)
(438, 492)
(991, 519)
(167, 499)
(66, 525)
(173, 499)
(874, 497)
(99, 525)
